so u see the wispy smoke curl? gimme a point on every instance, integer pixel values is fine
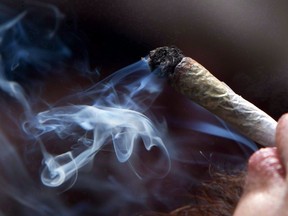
(116, 115)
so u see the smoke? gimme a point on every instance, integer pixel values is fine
(113, 143)
(117, 114)
(20, 195)
(29, 47)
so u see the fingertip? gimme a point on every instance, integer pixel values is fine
(282, 138)
(281, 128)
(283, 118)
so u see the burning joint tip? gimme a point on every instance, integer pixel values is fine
(166, 58)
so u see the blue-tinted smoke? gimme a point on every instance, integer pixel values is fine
(29, 45)
(117, 115)
(23, 195)
(29, 41)
(116, 112)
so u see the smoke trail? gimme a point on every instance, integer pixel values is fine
(197, 121)
(118, 107)
(10, 87)
(27, 197)
(117, 114)
(32, 44)
(214, 126)
(28, 44)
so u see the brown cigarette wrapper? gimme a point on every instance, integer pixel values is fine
(197, 83)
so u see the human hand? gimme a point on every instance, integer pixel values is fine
(266, 188)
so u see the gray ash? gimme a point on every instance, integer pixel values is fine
(165, 58)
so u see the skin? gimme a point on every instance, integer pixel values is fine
(266, 187)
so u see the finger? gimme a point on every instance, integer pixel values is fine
(282, 140)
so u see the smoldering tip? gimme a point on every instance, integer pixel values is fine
(165, 58)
